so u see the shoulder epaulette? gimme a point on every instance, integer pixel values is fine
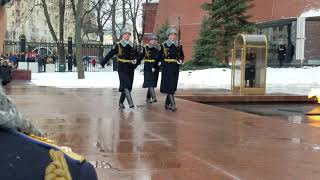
(146, 52)
(49, 144)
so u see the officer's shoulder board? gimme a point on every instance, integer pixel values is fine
(50, 145)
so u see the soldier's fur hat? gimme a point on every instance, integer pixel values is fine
(126, 30)
(171, 30)
(153, 37)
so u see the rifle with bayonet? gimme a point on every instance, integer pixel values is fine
(179, 61)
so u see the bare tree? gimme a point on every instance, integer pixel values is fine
(113, 20)
(116, 23)
(62, 9)
(60, 41)
(103, 15)
(80, 13)
(23, 16)
(124, 16)
(46, 14)
(135, 11)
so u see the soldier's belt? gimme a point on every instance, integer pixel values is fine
(149, 60)
(125, 60)
(170, 60)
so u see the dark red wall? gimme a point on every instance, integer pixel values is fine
(191, 15)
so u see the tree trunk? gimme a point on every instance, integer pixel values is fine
(101, 48)
(134, 30)
(100, 29)
(62, 6)
(113, 19)
(124, 17)
(47, 16)
(78, 40)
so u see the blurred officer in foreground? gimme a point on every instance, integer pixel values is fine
(25, 152)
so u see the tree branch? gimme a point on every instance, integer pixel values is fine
(46, 14)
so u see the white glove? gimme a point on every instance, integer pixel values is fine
(153, 69)
(134, 61)
(159, 64)
(179, 62)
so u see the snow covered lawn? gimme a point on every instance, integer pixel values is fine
(293, 80)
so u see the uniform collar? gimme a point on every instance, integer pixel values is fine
(152, 46)
(169, 43)
(124, 43)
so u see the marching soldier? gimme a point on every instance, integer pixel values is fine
(172, 57)
(150, 54)
(127, 55)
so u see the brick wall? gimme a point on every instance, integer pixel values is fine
(191, 15)
(150, 15)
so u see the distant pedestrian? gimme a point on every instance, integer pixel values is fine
(44, 63)
(70, 62)
(281, 54)
(94, 62)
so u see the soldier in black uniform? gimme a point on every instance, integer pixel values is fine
(152, 63)
(127, 55)
(172, 56)
(25, 153)
(69, 58)
(281, 54)
(250, 70)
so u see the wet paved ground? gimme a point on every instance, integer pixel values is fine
(198, 142)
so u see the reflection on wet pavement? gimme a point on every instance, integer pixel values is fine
(197, 142)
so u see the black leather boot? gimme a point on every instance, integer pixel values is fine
(173, 103)
(153, 95)
(129, 98)
(167, 105)
(148, 100)
(121, 100)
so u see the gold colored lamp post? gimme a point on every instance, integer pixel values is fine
(249, 64)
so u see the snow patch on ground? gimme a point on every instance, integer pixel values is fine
(279, 80)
